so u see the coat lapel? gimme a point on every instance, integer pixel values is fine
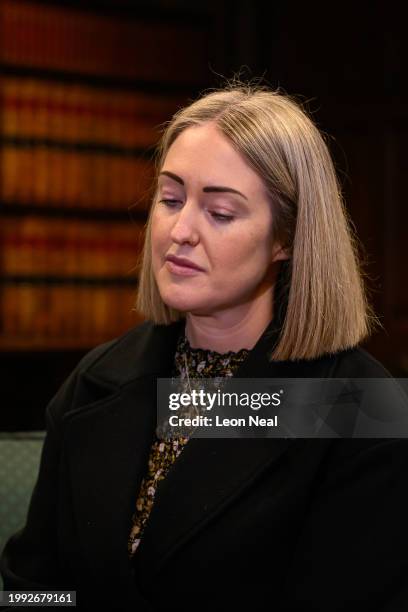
(107, 448)
(107, 443)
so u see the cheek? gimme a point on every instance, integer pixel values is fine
(159, 235)
(246, 250)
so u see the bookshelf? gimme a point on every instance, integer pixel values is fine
(82, 94)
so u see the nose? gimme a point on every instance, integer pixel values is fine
(185, 228)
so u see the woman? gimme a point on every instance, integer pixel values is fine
(249, 271)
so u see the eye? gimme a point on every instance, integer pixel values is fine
(222, 218)
(169, 203)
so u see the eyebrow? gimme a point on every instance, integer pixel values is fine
(208, 189)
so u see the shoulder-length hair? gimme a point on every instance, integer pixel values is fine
(321, 293)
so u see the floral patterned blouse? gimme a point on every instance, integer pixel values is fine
(188, 363)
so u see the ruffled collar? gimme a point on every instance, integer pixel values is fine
(205, 362)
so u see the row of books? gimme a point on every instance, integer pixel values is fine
(70, 112)
(42, 173)
(78, 122)
(43, 247)
(67, 315)
(57, 37)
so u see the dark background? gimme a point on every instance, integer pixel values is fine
(347, 63)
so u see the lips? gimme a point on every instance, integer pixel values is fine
(182, 261)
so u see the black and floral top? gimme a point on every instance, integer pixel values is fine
(189, 363)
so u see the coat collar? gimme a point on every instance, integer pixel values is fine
(108, 438)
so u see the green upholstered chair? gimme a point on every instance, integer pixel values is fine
(20, 454)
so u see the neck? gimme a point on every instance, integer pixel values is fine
(233, 329)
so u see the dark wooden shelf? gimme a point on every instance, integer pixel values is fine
(78, 281)
(134, 213)
(98, 148)
(43, 346)
(160, 13)
(171, 87)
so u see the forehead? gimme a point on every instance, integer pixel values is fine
(203, 155)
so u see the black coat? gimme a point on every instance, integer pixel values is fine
(259, 524)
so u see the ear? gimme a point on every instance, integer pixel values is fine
(279, 253)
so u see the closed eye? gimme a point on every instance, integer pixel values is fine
(169, 203)
(221, 217)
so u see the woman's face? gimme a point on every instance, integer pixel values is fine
(211, 210)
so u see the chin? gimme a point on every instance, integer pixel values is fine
(178, 300)
(183, 301)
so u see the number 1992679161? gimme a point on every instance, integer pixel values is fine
(38, 598)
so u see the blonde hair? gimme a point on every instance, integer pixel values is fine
(321, 298)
